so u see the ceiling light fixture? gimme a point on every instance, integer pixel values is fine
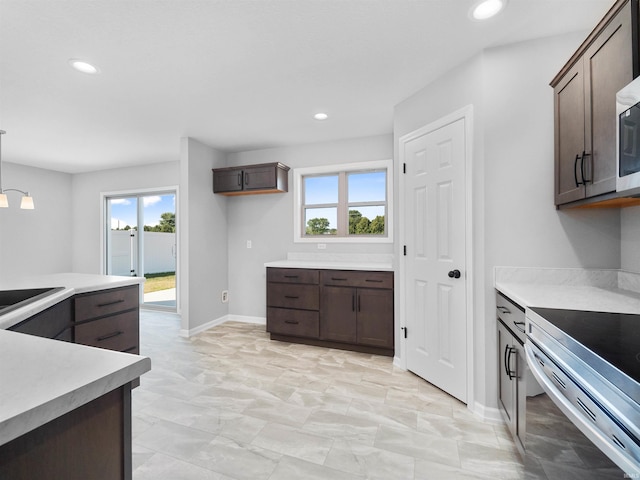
(27, 200)
(321, 116)
(83, 66)
(486, 9)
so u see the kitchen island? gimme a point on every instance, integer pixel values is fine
(65, 409)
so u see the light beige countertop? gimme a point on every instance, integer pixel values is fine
(573, 289)
(72, 283)
(43, 379)
(335, 261)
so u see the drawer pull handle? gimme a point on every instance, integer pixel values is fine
(110, 335)
(617, 441)
(559, 380)
(517, 324)
(111, 303)
(503, 309)
(291, 276)
(373, 280)
(294, 297)
(339, 279)
(292, 322)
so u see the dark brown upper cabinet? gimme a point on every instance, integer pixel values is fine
(585, 107)
(251, 179)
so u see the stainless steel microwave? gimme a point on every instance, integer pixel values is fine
(628, 137)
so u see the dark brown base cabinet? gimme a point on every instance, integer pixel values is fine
(345, 309)
(105, 318)
(91, 442)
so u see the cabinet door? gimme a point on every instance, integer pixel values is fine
(55, 322)
(375, 317)
(257, 178)
(506, 386)
(569, 135)
(338, 314)
(227, 180)
(608, 66)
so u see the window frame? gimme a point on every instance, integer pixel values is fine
(343, 205)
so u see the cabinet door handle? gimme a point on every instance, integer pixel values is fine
(373, 280)
(353, 303)
(358, 302)
(575, 170)
(111, 303)
(292, 322)
(110, 335)
(246, 178)
(239, 179)
(293, 297)
(508, 351)
(584, 180)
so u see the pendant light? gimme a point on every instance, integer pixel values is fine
(27, 200)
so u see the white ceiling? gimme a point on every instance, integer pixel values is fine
(234, 74)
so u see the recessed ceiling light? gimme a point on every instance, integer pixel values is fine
(321, 116)
(486, 9)
(83, 67)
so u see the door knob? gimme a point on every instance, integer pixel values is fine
(454, 274)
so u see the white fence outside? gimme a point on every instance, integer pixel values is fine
(159, 252)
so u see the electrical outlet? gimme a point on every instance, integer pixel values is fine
(322, 246)
(225, 296)
(248, 243)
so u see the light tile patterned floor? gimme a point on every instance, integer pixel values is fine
(231, 404)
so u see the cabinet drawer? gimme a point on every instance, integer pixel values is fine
(106, 302)
(293, 275)
(352, 278)
(298, 323)
(511, 314)
(306, 297)
(118, 332)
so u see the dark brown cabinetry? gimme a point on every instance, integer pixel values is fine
(357, 307)
(337, 308)
(585, 106)
(512, 367)
(109, 319)
(251, 179)
(106, 318)
(55, 322)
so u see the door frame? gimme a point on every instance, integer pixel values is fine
(466, 114)
(103, 224)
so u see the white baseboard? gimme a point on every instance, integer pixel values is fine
(397, 362)
(219, 321)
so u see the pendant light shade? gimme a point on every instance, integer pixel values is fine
(27, 200)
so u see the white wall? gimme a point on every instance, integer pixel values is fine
(86, 191)
(202, 232)
(630, 239)
(516, 222)
(267, 220)
(35, 241)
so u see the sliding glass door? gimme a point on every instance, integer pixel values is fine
(140, 240)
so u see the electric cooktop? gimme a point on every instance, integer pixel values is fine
(613, 337)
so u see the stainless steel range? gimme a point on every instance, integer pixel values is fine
(589, 365)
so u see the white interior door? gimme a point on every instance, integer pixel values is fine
(435, 233)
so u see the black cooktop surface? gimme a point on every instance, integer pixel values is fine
(613, 336)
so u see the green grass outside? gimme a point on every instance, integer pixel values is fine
(159, 281)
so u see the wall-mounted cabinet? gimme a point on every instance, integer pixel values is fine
(585, 106)
(251, 179)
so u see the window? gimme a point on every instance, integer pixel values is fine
(343, 203)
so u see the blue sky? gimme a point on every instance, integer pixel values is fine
(363, 187)
(124, 210)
